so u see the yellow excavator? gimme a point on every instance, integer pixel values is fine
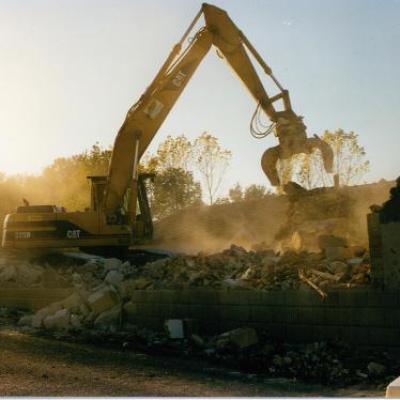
(119, 215)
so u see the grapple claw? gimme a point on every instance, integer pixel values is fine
(293, 140)
(324, 148)
(268, 165)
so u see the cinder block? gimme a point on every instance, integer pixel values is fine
(277, 331)
(300, 333)
(376, 317)
(292, 315)
(392, 318)
(181, 311)
(337, 315)
(197, 311)
(151, 296)
(236, 313)
(280, 315)
(356, 335)
(166, 310)
(320, 333)
(139, 296)
(273, 298)
(384, 336)
(310, 315)
(230, 324)
(391, 255)
(330, 332)
(250, 297)
(147, 309)
(238, 297)
(379, 298)
(169, 296)
(309, 298)
(332, 300)
(211, 327)
(229, 297)
(198, 296)
(261, 314)
(353, 298)
(152, 323)
(212, 312)
(359, 316)
(292, 297)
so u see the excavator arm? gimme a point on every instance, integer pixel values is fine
(146, 116)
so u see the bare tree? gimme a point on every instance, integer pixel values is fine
(211, 160)
(349, 162)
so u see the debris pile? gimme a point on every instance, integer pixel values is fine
(335, 266)
(103, 288)
(332, 362)
(315, 212)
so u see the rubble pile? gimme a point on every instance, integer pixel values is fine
(103, 288)
(315, 212)
(335, 266)
(332, 362)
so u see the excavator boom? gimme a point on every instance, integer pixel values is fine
(106, 224)
(146, 116)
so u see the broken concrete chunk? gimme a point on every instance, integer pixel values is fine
(58, 321)
(112, 264)
(25, 320)
(103, 300)
(174, 328)
(240, 337)
(354, 261)
(197, 341)
(376, 369)
(357, 251)
(114, 278)
(109, 319)
(8, 273)
(338, 267)
(130, 311)
(326, 241)
(75, 321)
(337, 253)
(72, 302)
(237, 251)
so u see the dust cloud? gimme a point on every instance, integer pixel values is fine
(249, 224)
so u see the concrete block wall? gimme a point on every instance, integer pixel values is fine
(32, 299)
(361, 316)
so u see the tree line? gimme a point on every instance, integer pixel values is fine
(186, 173)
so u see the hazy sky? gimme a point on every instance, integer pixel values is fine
(70, 69)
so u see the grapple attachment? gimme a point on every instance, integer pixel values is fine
(293, 140)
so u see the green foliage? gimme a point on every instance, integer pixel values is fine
(255, 192)
(173, 189)
(236, 193)
(62, 183)
(250, 193)
(174, 152)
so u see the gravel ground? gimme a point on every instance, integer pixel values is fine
(37, 366)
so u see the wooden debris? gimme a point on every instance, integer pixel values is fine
(311, 284)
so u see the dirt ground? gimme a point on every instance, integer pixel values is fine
(38, 366)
